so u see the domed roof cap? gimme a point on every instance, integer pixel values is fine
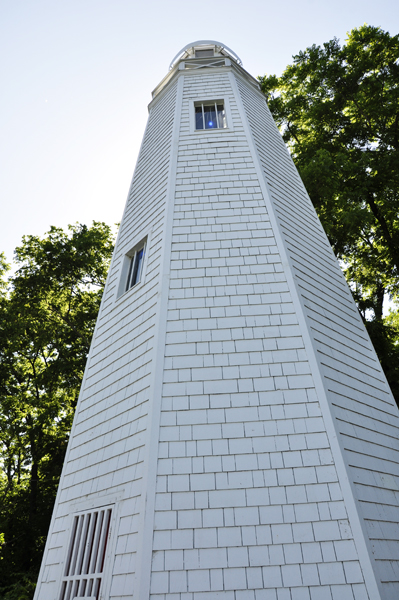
(190, 50)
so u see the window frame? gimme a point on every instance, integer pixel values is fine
(203, 106)
(206, 101)
(128, 264)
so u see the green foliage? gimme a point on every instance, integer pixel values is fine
(338, 109)
(23, 589)
(48, 310)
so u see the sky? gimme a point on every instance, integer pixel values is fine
(76, 78)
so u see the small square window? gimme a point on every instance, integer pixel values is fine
(204, 53)
(136, 266)
(210, 115)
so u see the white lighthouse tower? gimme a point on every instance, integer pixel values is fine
(235, 437)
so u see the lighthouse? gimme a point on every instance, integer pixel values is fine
(235, 437)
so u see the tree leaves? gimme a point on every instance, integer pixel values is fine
(48, 310)
(338, 110)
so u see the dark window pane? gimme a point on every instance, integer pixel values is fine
(129, 277)
(199, 121)
(203, 53)
(221, 116)
(138, 263)
(210, 117)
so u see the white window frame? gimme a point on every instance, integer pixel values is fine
(127, 265)
(212, 100)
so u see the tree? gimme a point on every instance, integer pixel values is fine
(338, 110)
(48, 310)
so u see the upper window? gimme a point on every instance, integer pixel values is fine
(210, 115)
(204, 53)
(136, 266)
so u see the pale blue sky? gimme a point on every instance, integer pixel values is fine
(76, 78)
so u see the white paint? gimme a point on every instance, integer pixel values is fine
(206, 415)
(149, 483)
(364, 556)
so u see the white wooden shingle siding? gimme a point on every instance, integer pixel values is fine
(364, 410)
(233, 414)
(105, 455)
(248, 499)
